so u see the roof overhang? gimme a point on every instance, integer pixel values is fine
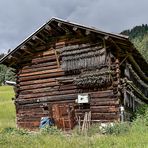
(61, 26)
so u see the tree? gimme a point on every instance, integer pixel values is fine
(2, 55)
(139, 36)
(6, 74)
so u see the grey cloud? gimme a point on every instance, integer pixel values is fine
(20, 18)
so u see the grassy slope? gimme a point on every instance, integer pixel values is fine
(137, 137)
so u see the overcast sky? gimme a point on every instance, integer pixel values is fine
(19, 18)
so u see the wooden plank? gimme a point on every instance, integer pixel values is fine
(46, 64)
(41, 72)
(102, 94)
(46, 99)
(43, 85)
(36, 95)
(37, 81)
(106, 102)
(104, 116)
(48, 52)
(51, 75)
(37, 69)
(44, 59)
(101, 116)
(47, 89)
(38, 104)
(104, 109)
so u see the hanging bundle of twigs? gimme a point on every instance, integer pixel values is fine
(93, 79)
(82, 57)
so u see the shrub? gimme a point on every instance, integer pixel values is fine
(107, 128)
(141, 111)
(116, 128)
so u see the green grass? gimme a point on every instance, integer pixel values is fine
(6, 93)
(7, 109)
(136, 137)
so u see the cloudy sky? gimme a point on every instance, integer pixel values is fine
(19, 18)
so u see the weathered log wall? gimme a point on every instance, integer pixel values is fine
(103, 107)
(38, 88)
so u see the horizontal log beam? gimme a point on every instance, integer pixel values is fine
(51, 75)
(46, 89)
(102, 94)
(104, 116)
(53, 93)
(45, 53)
(105, 102)
(47, 99)
(37, 105)
(41, 72)
(37, 82)
(44, 85)
(101, 116)
(103, 109)
(46, 64)
(30, 70)
(106, 109)
(44, 59)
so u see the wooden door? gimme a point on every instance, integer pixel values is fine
(64, 116)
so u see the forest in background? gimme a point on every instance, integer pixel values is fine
(138, 36)
(6, 73)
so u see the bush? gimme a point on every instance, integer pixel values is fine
(141, 110)
(141, 117)
(107, 128)
(116, 128)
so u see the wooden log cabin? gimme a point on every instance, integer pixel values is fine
(66, 69)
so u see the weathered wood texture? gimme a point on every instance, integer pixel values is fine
(38, 88)
(103, 106)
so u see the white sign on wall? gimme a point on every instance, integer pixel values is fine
(83, 98)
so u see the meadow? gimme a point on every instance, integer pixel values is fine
(131, 136)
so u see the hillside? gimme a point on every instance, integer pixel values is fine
(139, 36)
